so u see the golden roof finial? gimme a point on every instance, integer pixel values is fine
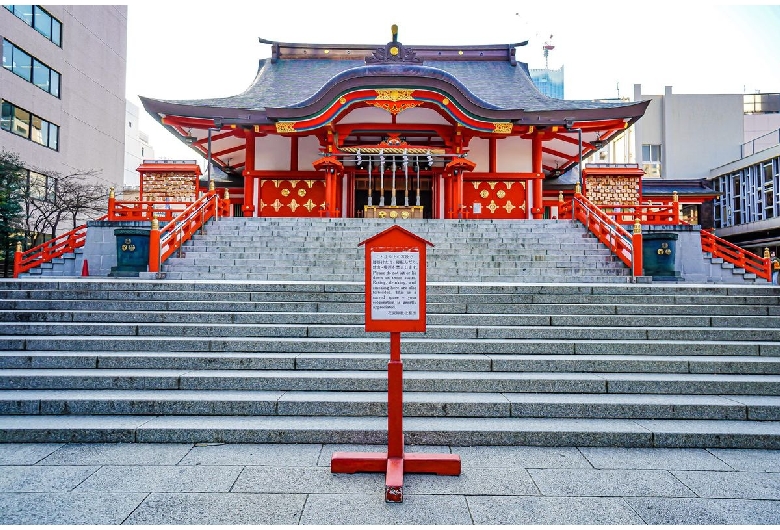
(394, 29)
(111, 192)
(211, 185)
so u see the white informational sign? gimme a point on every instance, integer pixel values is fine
(395, 285)
(477, 208)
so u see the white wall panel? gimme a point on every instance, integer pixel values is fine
(272, 153)
(513, 155)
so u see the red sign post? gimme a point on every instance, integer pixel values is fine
(395, 302)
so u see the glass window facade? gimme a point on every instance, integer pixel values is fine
(40, 19)
(27, 125)
(651, 160)
(30, 69)
(42, 187)
(748, 195)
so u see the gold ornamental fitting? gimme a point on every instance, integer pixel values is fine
(637, 226)
(578, 188)
(766, 252)
(19, 248)
(227, 194)
(155, 224)
(560, 196)
(211, 185)
(111, 192)
(674, 196)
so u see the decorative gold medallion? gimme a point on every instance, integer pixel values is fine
(309, 205)
(484, 194)
(285, 127)
(394, 50)
(294, 205)
(508, 185)
(500, 194)
(301, 192)
(276, 183)
(294, 183)
(128, 246)
(382, 214)
(393, 214)
(492, 207)
(285, 192)
(509, 207)
(262, 205)
(309, 183)
(492, 185)
(276, 204)
(394, 107)
(502, 127)
(476, 184)
(342, 100)
(445, 101)
(393, 94)
(405, 215)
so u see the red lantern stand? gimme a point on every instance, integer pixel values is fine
(395, 302)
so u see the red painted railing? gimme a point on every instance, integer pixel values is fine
(626, 214)
(627, 247)
(720, 248)
(164, 242)
(54, 248)
(648, 214)
(144, 211)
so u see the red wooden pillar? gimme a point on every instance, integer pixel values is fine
(637, 268)
(447, 197)
(249, 181)
(333, 168)
(455, 171)
(536, 163)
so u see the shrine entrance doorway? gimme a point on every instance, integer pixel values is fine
(404, 197)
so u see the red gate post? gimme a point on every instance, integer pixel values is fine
(399, 258)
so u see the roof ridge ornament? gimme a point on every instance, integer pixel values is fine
(394, 52)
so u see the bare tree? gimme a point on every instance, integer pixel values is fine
(55, 198)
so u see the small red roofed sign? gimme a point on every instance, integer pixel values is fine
(395, 281)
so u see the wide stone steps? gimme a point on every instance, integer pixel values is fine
(556, 364)
(416, 404)
(309, 316)
(261, 249)
(553, 432)
(340, 331)
(376, 381)
(712, 364)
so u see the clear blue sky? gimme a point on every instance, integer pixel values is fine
(212, 49)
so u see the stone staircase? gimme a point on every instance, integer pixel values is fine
(213, 360)
(284, 249)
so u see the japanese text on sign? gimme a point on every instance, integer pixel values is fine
(395, 285)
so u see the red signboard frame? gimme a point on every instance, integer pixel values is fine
(395, 461)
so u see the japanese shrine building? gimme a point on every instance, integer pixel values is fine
(393, 131)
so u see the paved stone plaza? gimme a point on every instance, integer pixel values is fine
(292, 484)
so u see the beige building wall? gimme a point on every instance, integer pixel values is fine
(696, 132)
(90, 112)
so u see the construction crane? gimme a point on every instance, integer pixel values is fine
(546, 48)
